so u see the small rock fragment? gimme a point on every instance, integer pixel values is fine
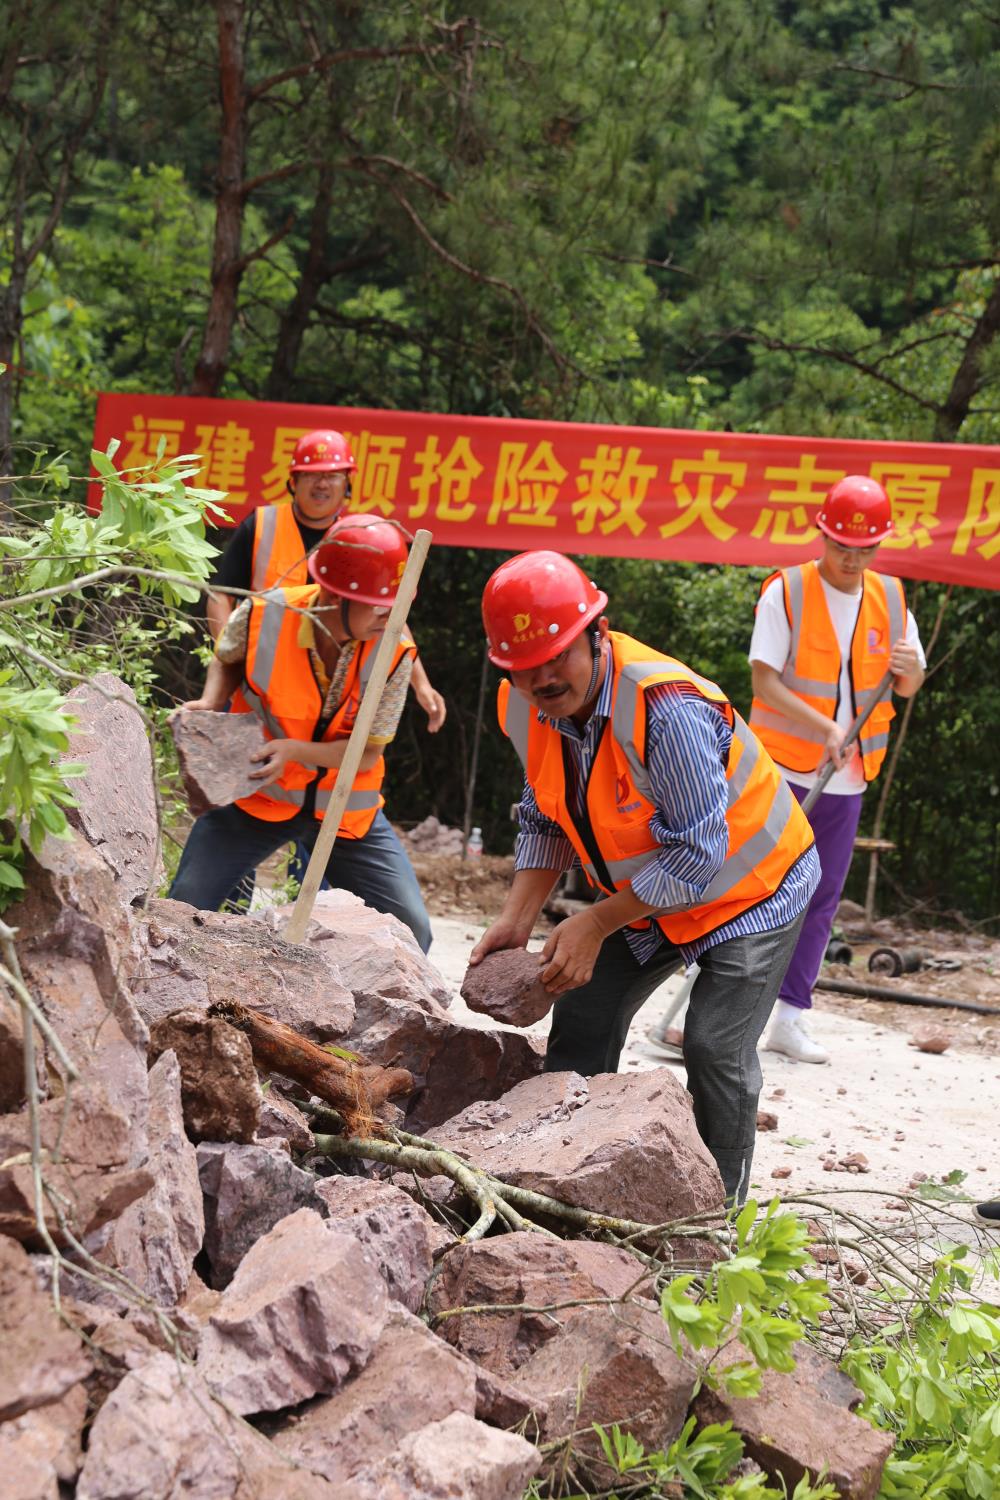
(766, 1120)
(506, 986)
(934, 1042)
(781, 1172)
(213, 751)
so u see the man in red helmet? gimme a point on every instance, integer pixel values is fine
(826, 632)
(640, 771)
(299, 658)
(269, 548)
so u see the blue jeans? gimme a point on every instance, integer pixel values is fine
(227, 843)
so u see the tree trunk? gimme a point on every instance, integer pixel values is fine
(295, 319)
(228, 264)
(966, 382)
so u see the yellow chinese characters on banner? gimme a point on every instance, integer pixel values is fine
(915, 492)
(788, 518)
(379, 457)
(274, 485)
(981, 524)
(703, 504)
(225, 450)
(612, 485)
(525, 487)
(447, 476)
(143, 437)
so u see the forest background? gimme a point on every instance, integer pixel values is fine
(742, 215)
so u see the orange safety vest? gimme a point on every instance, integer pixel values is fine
(767, 830)
(280, 687)
(279, 558)
(812, 670)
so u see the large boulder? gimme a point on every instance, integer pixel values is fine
(157, 1238)
(213, 752)
(301, 1315)
(804, 1421)
(527, 1271)
(399, 1235)
(115, 800)
(623, 1144)
(91, 1176)
(411, 1379)
(40, 1358)
(458, 1457)
(247, 1190)
(219, 1086)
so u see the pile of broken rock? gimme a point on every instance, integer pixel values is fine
(247, 1323)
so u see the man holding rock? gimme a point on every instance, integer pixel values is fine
(641, 771)
(299, 659)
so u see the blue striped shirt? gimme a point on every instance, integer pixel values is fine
(687, 748)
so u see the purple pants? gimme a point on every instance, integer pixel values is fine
(834, 821)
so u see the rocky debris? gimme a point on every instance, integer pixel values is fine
(11, 1055)
(856, 1162)
(194, 959)
(116, 813)
(247, 1191)
(804, 1421)
(412, 1378)
(608, 1365)
(156, 1239)
(434, 837)
(213, 752)
(43, 1449)
(620, 1143)
(934, 1042)
(506, 986)
(301, 1315)
(280, 1119)
(91, 1177)
(106, 1043)
(445, 1460)
(398, 1234)
(219, 1087)
(526, 1270)
(766, 1120)
(781, 1172)
(41, 1360)
(161, 1435)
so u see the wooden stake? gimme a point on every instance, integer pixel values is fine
(295, 929)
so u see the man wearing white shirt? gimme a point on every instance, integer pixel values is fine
(825, 635)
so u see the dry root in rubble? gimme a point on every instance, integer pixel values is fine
(355, 1088)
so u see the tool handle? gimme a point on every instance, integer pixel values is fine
(295, 929)
(859, 723)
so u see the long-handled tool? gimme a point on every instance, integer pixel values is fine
(852, 734)
(295, 929)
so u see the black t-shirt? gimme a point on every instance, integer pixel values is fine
(235, 567)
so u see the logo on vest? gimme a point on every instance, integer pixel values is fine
(875, 646)
(621, 793)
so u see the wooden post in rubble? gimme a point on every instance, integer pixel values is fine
(295, 929)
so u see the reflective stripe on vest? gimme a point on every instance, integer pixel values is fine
(279, 557)
(766, 829)
(798, 746)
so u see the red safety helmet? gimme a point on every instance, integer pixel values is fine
(361, 557)
(534, 606)
(323, 452)
(856, 512)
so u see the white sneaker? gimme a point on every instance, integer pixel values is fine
(789, 1034)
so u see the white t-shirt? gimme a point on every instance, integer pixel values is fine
(771, 642)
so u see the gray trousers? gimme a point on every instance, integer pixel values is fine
(730, 1003)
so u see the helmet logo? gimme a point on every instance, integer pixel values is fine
(400, 569)
(521, 622)
(858, 518)
(320, 449)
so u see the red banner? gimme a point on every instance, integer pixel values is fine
(721, 497)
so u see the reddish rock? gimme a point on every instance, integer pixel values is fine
(107, 1043)
(411, 1379)
(43, 1449)
(766, 1120)
(157, 1238)
(219, 1086)
(115, 801)
(90, 1174)
(781, 1172)
(458, 1457)
(11, 1056)
(398, 1234)
(803, 1421)
(247, 1190)
(195, 959)
(527, 1270)
(40, 1358)
(161, 1434)
(213, 752)
(301, 1315)
(934, 1042)
(281, 1119)
(468, 1065)
(506, 986)
(608, 1365)
(620, 1143)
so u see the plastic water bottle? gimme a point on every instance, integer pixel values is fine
(474, 847)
